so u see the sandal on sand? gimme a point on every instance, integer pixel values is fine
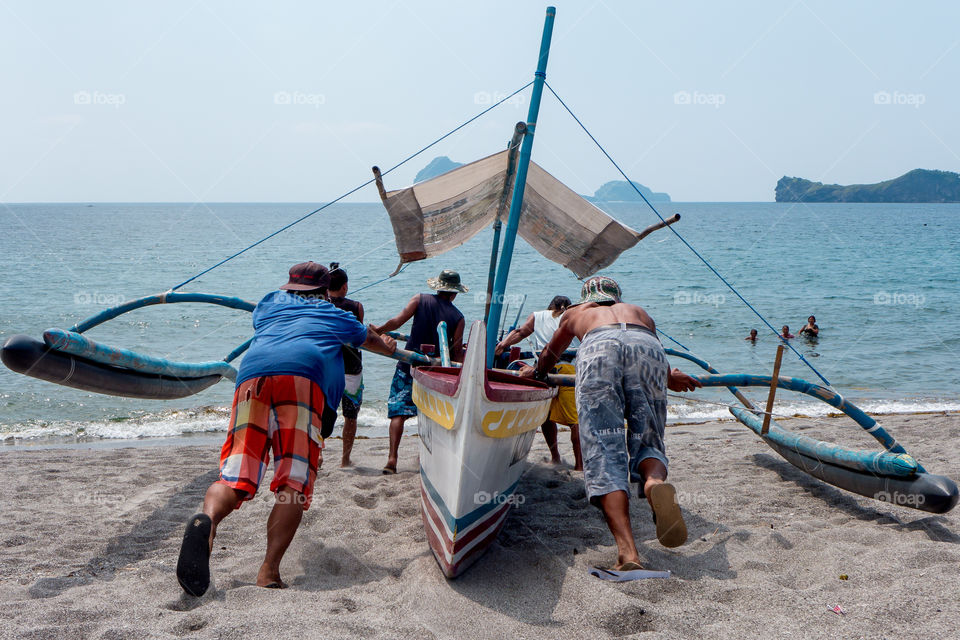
(671, 530)
(626, 572)
(193, 565)
(389, 471)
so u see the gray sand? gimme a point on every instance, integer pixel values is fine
(89, 544)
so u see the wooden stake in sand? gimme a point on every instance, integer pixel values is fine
(773, 391)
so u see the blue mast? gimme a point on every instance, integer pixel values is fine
(513, 221)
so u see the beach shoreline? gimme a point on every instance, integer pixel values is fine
(92, 534)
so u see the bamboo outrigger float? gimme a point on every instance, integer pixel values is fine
(477, 423)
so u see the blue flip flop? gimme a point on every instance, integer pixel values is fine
(627, 571)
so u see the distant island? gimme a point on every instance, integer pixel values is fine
(614, 191)
(621, 191)
(437, 166)
(919, 185)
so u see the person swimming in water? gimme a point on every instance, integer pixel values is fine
(753, 336)
(785, 333)
(810, 330)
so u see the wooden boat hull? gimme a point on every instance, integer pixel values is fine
(476, 427)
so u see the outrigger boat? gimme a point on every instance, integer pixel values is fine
(477, 423)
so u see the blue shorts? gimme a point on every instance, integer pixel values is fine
(621, 376)
(400, 402)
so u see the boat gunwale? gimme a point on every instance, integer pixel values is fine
(514, 389)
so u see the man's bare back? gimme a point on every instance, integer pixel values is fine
(579, 320)
(585, 317)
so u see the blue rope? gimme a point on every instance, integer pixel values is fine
(664, 334)
(372, 284)
(352, 191)
(682, 239)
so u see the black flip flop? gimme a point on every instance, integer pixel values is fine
(193, 565)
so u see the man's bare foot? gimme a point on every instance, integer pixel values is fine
(345, 463)
(269, 578)
(390, 468)
(579, 467)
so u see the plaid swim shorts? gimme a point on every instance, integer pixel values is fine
(284, 413)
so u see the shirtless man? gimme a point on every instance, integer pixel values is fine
(753, 336)
(811, 330)
(622, 374)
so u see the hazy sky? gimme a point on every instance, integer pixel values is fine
(294, 101)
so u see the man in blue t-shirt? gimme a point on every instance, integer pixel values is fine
(288, 389)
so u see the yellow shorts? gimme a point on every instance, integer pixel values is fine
(563, 409)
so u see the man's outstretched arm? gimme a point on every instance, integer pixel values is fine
(376, 343)
(398, 320)
(555, 348)
(679, 381)
(516, 335)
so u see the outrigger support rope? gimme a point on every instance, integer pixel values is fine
(352, 191)
(682, 239)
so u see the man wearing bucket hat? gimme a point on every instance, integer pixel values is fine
(622, 375)
(427, 311)
(288, 389)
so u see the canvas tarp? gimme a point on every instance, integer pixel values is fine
(436, 215)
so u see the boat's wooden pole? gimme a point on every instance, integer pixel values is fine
(660, 225)
(773, 391)
(512, 150)
(516, 203)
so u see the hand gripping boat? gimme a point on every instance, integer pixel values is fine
(476, 428)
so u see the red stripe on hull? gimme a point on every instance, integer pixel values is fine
(441, 546)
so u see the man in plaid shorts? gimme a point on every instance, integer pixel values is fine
(288, 388)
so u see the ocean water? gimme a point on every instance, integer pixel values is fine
(883, 281)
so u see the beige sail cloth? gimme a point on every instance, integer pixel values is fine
(442, 213)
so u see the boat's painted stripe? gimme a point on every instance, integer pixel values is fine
(506, 423)
(461, 523)
(484, 536)
(434, 405)
(453, 563)
(457, 541)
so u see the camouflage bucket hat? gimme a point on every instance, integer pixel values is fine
(600, 289)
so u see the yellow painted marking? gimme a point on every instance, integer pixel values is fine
(504, 424)
(433, 405)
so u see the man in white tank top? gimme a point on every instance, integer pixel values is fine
(539, 329)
